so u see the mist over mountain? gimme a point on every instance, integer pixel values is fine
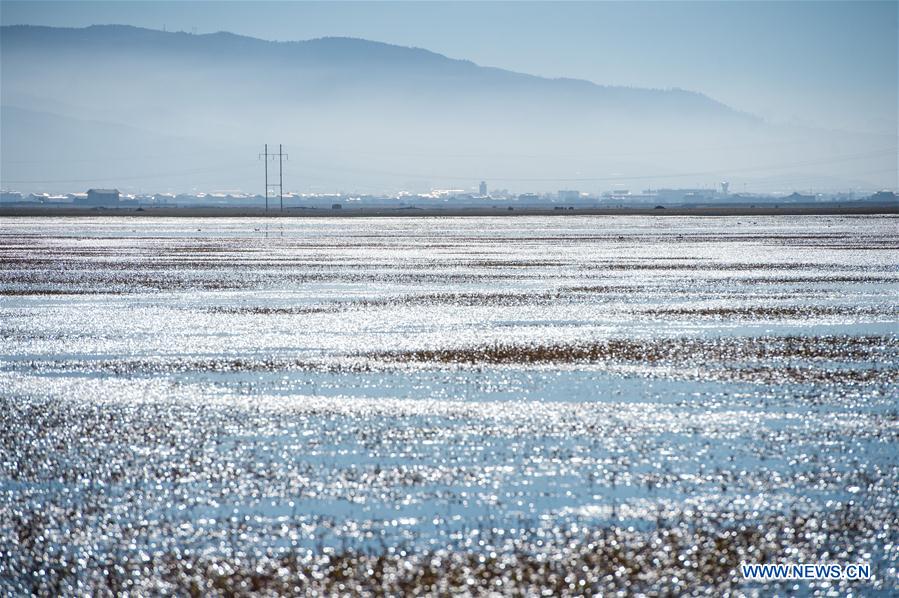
(163, 111)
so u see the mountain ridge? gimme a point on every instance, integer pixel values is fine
(338, 49)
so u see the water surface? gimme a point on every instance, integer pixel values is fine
(243, 391)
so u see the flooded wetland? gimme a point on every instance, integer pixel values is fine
(520, 405)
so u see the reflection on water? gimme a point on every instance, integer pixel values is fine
(189, 400)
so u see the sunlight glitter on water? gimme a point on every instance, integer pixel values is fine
(174, 385)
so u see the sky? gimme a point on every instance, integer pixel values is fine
(824, 64)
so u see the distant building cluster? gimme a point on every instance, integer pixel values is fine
(102, 198)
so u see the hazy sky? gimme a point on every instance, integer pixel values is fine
(828, 64)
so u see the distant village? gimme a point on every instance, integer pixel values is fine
(565, 199)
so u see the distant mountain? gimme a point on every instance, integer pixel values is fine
(354, 114)
(120, 60)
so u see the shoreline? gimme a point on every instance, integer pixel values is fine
(224, 212)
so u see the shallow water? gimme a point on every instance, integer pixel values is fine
(240, 389)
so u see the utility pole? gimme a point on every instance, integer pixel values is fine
(281, 157)
(280, 177)
(265, 159)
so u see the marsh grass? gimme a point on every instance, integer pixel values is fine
(261, 310)
(56, 292)
(656, 351)
(688, 553)
(786, 311)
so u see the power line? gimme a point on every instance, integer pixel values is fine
(424, 151)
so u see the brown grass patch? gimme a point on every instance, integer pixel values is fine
(676, 350)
